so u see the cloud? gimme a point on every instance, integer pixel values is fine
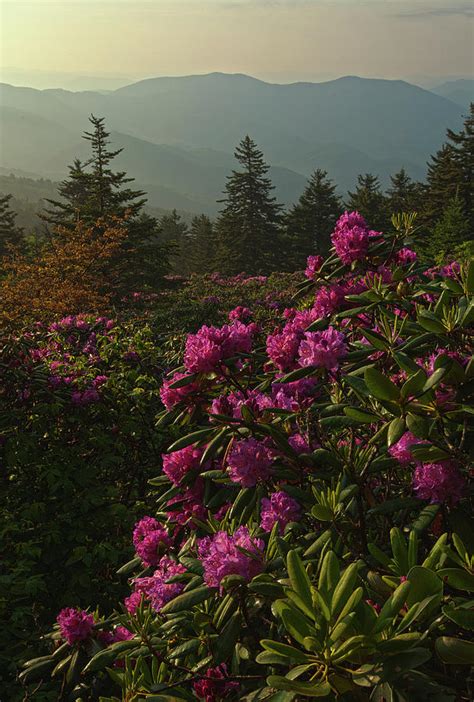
(463, 10)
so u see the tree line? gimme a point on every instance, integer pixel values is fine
(253, 232)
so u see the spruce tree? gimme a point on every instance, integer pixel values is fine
(451, 174)
(309, 223)
(369, 200)
(450, 234)
(248, 225)
(404, 195)
(93, 191)
(201, 245)
(10, 234)
(174, 234)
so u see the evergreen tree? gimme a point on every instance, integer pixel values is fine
(201, 245)
(248, 226)
(94, 192)
(10, 234)
(369, 200)
(404, 195)
(451, 174)
(450, 234)
(442, 184)
(174, 234)
(309, 223)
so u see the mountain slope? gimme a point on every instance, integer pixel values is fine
(458, 91)
(179, 133)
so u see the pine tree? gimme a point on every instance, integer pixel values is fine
(201, 245)
(309, 223)
(404, 195)
(10, 234)
(248, 226)
(450, 234)
(369, 200)
(94, 192)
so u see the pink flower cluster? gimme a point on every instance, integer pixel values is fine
(351, 237)
(231, 404)
(150, 538)
(249, 461)
(170, 397)
(75, 624)
(313, 264)
(279, 508)
(156, 589)
(215, 685)
(178, 463)
(223, 554)
(282, 346)
(322, 349)
(401, 450)
(206, 349)
(439, 482)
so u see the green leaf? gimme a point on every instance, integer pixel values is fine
(283, 649)
(455, 651)
(461, 616)
(396, 429)
(361, 415)
(308, 689)
(322, 513)
(299, 578)
(425, 518)
(380, 386)
(298, 374)
(344, 588)
(424, 583)
(457, 578)
(434, 379)
(192, 438)
(187, 380)
(187, 600)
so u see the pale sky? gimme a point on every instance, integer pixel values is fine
(50, 41)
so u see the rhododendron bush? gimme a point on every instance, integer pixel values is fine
(311, 531)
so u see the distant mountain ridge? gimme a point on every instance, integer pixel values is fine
(179, 133)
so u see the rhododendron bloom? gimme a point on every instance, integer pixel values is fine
(240, 313)
(401, 450)
(155, 589)
(295, 395)
(222, 555)
(406, 256)
(351, 237)
(282, 348)
(322, 349)
(187, 504)
(439, 482)
(75, 624)
(178, 463)
(215, 685)
(313, 264)
(170, 397)
(279, 508)
(249, 461)
(150, 538)
(328, 300)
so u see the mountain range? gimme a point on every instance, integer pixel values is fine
(179, 133)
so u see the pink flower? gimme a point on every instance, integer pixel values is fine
(150, 538)
(401, 450)
(322, 349)
(313, 264)
(282, 348)
(299, 444)
(170, 397)
(156, 589)
(187, 505)
(279, 508)
(177, 464)
(75, 624)
(249, 461)
(439, 482)
(240, 313)
(406, 256)
(231, 404)
(206, 349)
(328, 300)
(223, 554)
(351, 237)
(295, 395)
(215, 685)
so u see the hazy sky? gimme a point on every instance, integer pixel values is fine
(278, 40)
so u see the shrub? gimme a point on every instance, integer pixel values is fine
(317, 501)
